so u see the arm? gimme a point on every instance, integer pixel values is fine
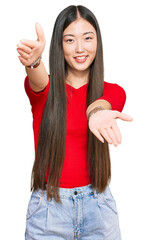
(103, 103)
(102, 123)
(29, 52)
(38, 77)
(113, 98)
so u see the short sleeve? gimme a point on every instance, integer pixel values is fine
(35, 97)
(115, 95)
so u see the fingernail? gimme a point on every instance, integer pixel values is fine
(131, 119)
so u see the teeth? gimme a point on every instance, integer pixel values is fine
(81, 57)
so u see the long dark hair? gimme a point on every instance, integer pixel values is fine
(50, 151)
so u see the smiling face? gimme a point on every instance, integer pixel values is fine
(79, 45)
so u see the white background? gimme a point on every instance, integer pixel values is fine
(126, 39)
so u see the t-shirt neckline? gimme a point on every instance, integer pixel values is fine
(76, 89)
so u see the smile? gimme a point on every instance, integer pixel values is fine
(80, 59)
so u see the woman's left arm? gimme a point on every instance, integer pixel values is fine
(103, 123)
(113, 98)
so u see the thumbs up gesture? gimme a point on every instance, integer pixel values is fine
(30, 50)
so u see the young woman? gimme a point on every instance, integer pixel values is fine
(74, 110)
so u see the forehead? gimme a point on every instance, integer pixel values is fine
(78, 27)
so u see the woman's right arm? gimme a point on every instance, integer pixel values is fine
(29, 52)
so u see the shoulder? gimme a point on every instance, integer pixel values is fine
(113, 87)
(109, 85)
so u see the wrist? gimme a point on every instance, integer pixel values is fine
(36, 63)
(103, 103)
(93, 111)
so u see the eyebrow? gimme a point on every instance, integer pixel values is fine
(71, 35)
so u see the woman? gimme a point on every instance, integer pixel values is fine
(71, 198)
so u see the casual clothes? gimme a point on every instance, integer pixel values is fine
(75, 169)
(83, 214)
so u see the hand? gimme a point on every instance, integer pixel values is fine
(30, 50)
(103, 125)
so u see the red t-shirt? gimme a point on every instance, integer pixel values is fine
(75, 169)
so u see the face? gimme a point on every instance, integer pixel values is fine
(79, 45)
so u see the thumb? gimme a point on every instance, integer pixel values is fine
(39, 32)
(124, 116)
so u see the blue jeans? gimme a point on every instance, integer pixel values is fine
(84, 214)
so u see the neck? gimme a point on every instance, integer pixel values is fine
(77, 79)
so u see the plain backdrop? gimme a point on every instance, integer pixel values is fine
(126, 39)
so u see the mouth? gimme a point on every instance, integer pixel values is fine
(80, 59)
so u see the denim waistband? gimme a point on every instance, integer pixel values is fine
(79, 192)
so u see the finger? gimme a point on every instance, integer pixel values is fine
(39, 32)
(24, 48)
(23, 61)
(104, 133)
(112, 136)
(23, 54)
(117, 132)
(28, 43)
(98, 135)
(123, 116)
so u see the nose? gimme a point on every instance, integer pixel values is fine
(79, 47)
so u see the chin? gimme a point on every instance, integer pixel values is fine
(82, 68)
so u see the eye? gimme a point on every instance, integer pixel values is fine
(88, 38)
(69, 40)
